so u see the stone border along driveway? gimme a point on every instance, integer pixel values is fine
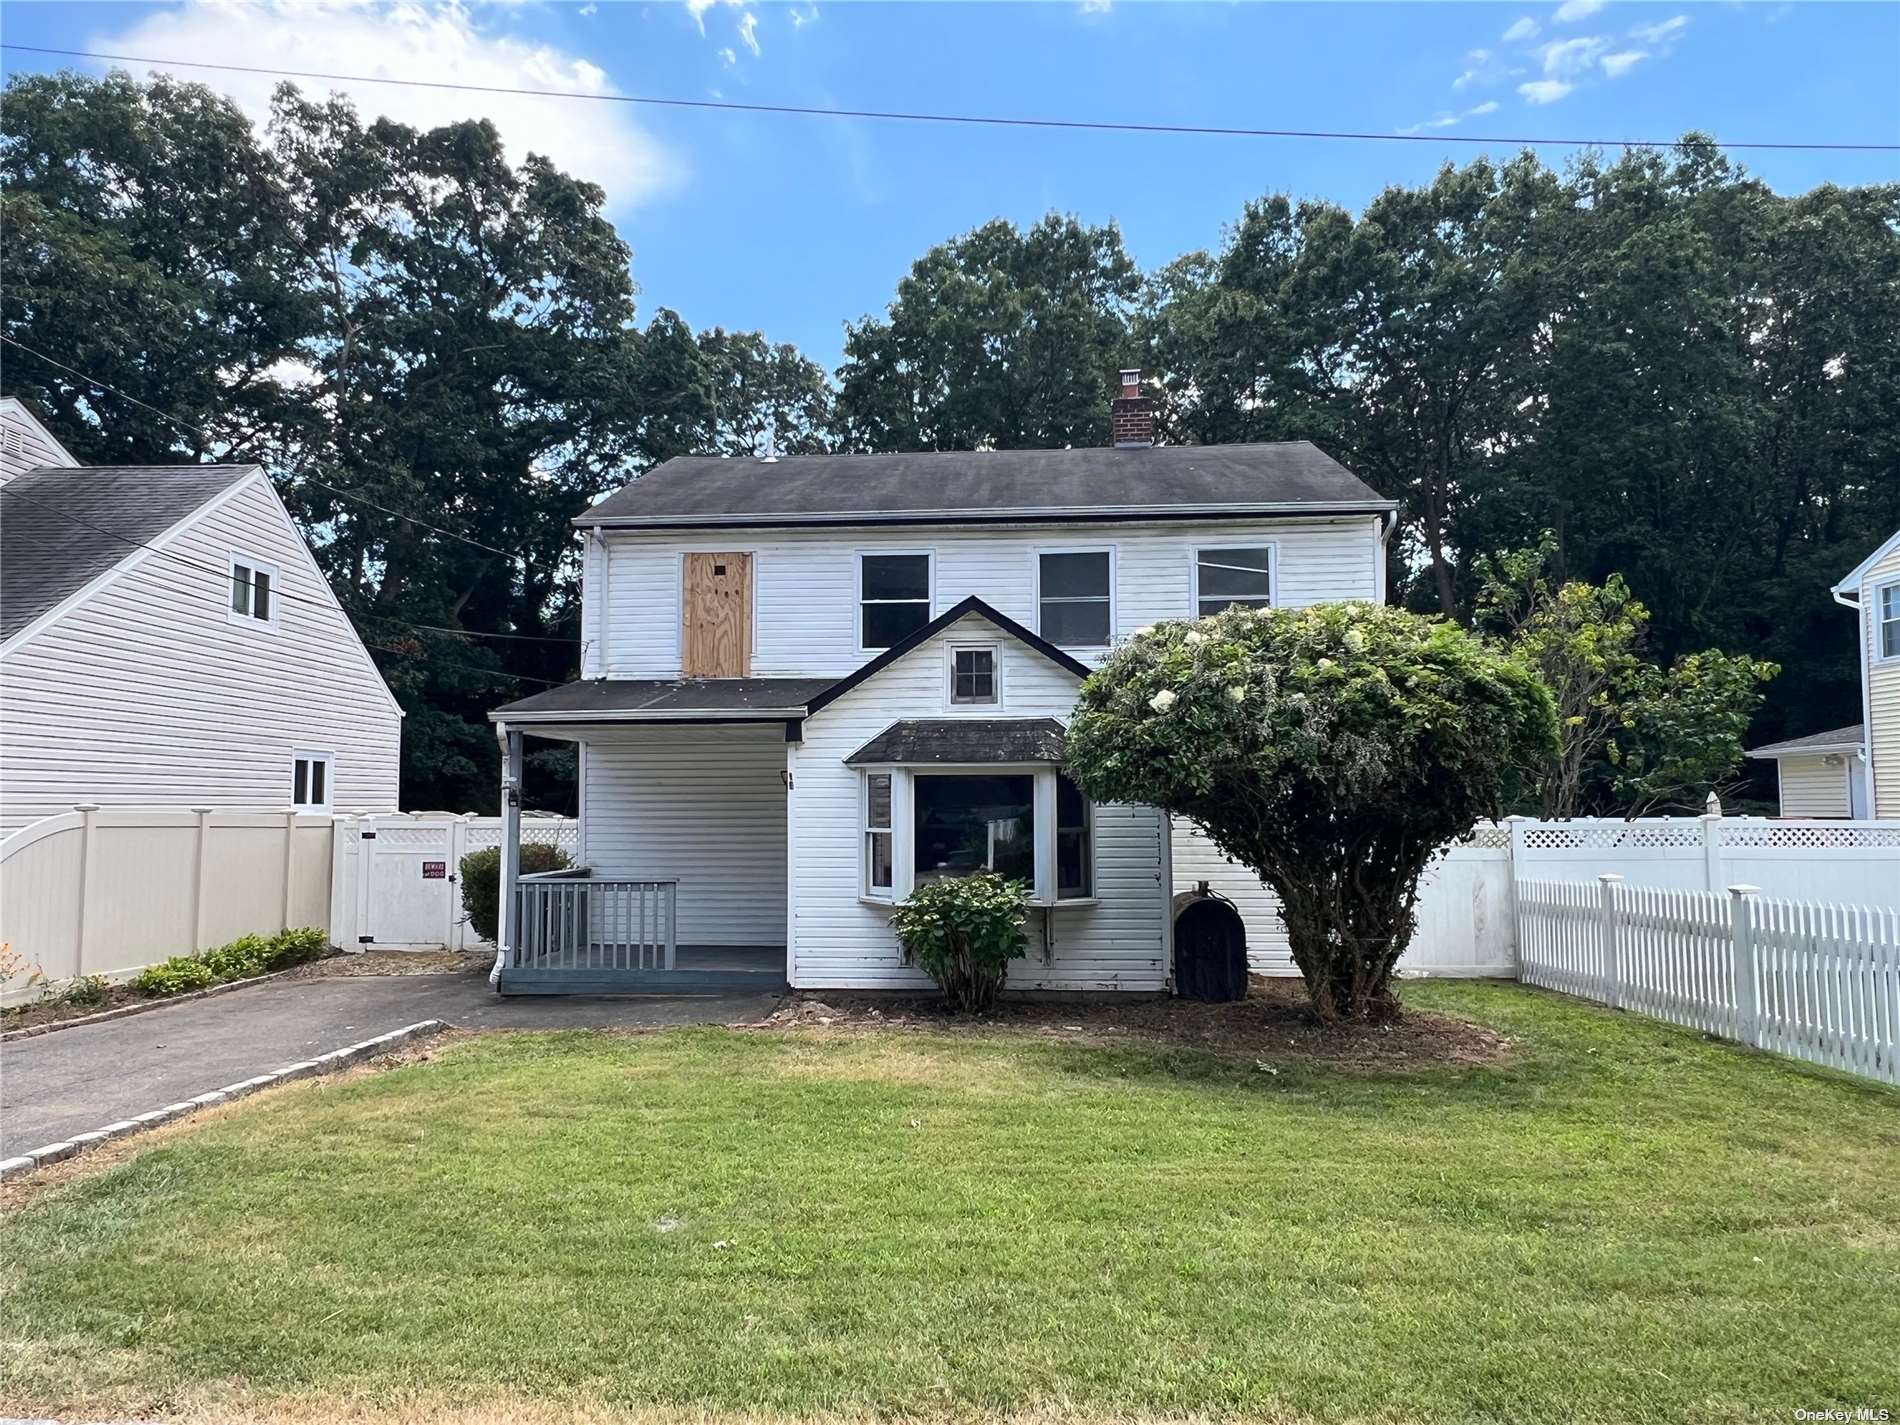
(336, 1059)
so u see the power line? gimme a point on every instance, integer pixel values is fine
(9, 492)
(304, 474)
(923, 117)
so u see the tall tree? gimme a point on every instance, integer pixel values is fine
(999, 338)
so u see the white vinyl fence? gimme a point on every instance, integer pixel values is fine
(1817, 981)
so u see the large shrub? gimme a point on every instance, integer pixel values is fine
(1331, 750)
(481, 881)
(963, 933)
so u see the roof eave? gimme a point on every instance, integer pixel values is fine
(1025, 515)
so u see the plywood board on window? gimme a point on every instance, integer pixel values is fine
(717, 639)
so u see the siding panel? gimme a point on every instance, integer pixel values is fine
(1810, 787)
(1883, 693)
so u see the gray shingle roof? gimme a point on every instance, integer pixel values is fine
(1814, 741)
(1088, 483)
(948, 740)
(658, 697)
(62, 527)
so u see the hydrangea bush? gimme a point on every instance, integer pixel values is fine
(963, 933)
(1332, 750)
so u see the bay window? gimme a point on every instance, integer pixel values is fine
(1030, 824)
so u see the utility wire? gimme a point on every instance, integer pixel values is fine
(922, 117)
(9, 492)
(302, 474)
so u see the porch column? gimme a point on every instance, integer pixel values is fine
(510, 846)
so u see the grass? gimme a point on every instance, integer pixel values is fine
(1625, 1221)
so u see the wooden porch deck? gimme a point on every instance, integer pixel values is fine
(602, 969)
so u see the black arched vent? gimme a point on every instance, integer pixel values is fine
(1210, 949)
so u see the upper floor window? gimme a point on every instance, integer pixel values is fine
(310, 780)
(972, 675)
(253, 589)
(893, 597)
(1075, 597)
(1226, 578)
(1889, 616)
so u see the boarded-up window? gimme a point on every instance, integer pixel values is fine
(717, 640)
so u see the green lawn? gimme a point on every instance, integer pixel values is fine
(1626, 1222)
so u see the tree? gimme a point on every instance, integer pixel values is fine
(999, 338)
(1634, 737)
(1331, 750)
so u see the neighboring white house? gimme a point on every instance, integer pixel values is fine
(1855, 771)
(811, 682)
(167, 640)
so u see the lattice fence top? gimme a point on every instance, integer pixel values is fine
(564, 834)
(1604, 836)
(1489, 835)
(1810, 835)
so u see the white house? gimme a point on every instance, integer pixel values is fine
(167, 640)
(812, 682)
(1855, 771)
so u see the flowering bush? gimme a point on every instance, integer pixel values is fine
(1331, 750)
(963, 933)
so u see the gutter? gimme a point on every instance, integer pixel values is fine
(1030, 515)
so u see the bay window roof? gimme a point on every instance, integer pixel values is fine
(965, 741)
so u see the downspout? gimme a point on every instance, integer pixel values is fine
(1863, 639)
(510, 870)
(603, 604)
(1388, 522)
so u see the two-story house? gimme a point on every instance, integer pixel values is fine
(1854, 771)
(811, 683)
(167, 640)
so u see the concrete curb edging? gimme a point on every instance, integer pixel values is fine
(305, 1068)
(33, 1031)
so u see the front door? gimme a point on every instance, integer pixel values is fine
(716, 640)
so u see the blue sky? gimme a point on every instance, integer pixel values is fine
(794, 225)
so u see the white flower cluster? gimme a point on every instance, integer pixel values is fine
(1164, 700)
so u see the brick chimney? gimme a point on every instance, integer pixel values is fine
(1131, 420)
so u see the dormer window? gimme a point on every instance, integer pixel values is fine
(973, 676)
(253, 591)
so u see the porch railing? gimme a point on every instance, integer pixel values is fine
(573, 920)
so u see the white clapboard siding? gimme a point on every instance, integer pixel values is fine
(1883, 689)
(146, 694)
(838, 941)
(805, 599)
(1812, 786)
(25, 444)
(703, 806)
(1813, 980)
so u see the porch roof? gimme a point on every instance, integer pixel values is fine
(658, 699)
(948, 741)
(1841, 739)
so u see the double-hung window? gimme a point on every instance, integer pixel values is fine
(893, 597)
(1075, 877)
(1887, 611)
(253, 591)
(310, 780)
(1240, 577)
(878, 850)
(1075, 597)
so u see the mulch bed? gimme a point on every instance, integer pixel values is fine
(1272, 1025)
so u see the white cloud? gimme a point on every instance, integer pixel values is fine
(1445, 121)
(1573, 10)
(587, 10)
(749, 32)
(1489, 106)
(1478, 56)
(402, 41)
(1466, 78)
(1096, 7)
(727, 56)
(802, 18)
(698, 8)
(1619, 64)
(1544, 91)
(1524, 29)
(1665, 32)
(1565, 59)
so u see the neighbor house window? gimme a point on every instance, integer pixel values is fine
(973, 675)
(1889, 614)
(893, 597)
(310, 780)
(877, 833)
(1075, 598)
(966, 824)
(253, 586)
(1074, 878)
(1226, 578)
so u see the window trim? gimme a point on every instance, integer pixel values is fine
(866, 831)
(256, 566)
(1880, 620)
(858, 600)
(1272, 546)
(328, 762)
(1088, 843)
(951, 648)
(1113, 551)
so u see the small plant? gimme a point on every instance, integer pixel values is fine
(963, 933)
(246, 956)
(481, 881)
(173, 977)
(297, 947)
(85, 991)
(15, 968)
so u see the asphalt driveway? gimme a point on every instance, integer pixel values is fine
(75, 1080)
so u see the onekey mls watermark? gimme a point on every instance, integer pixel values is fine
(1847, 1413)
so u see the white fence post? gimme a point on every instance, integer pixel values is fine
(200, 875)
(290, 861)
(1713, 869)
(1612, 946)
(1742, 932)
(88, 840)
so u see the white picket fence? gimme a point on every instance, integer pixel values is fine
(1813, 980)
